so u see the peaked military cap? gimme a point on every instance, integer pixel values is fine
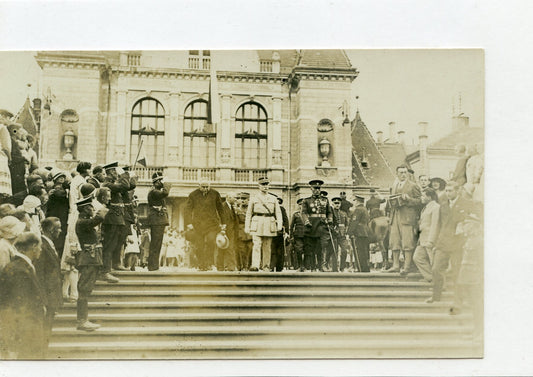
(157, 176)
(84, 201)
(111, 165)
(126, 168)
(359, 198)
(243, 195)
(324, 194)
(263, 181)
(317, 183)
(336, 199)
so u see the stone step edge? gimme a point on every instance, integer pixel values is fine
(242, 344)
(261, 293)
(266, 283)
(269, 316)
(262, 304)
(260, 330)
(270, 275)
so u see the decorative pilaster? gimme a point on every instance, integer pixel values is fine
(276, 133)
(120, 138)
(225, 130)
(173, 131)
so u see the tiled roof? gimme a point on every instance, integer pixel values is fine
(26, 118)
(379, 173)
(394, 153)
(324, 59)
(468, 135)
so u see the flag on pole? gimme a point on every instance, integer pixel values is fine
(142, 161)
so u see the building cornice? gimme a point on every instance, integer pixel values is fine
(70, 60)
(324, 74)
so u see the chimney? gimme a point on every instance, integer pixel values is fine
(392, 132)
(423, 147)
(379, 137)
(401, 137)
(460, 122)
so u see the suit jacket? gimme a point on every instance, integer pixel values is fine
(48, 271)
(285, 218)
(429, 223)
(229, 217)
(22, 309)
(297, 225)
(203, 211)
(450, 218)
(408, 211)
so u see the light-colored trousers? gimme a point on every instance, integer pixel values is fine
(423, 258)
(70, 281)
(261, 252)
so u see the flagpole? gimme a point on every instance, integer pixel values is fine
(138, 152)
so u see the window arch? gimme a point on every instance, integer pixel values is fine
(199, 137)
(148, 125)
(251, 130)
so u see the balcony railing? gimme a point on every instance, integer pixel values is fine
(145, 174)
(194, 62)
(249, 175)
(134, 59)
(206, 63)
(196, 174)
(265, 66)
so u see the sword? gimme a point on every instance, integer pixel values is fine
(355, 253)
(332, 242)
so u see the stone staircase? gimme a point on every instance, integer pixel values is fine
(241, 315)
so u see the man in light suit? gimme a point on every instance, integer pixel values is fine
(404, 219)
(48, 270)
(429, 231)
(450, 241)
(23, 309)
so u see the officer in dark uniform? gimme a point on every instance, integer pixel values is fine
(98, 176)
(114, 227)
(89, 259)
(127, 198)
(345, 204)
(297, 233)
(358, 231)
(318, 217)
(341, 220)
(278, 242)
(244, 244)
(157, 219)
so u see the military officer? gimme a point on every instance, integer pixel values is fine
(297, 232)
(98, 176)
(278, 242)
(263, 221)
(244, 240)
(89, 260)
(127, 198)
(114, 226)
(157, 219)
(359, 232)
(317, 215)
(341, 220)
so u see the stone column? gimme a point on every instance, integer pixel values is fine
(173, 136)
(277, 167)
(120, 134)
(224, 133)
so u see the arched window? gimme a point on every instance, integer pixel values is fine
(148, 125)
(199, 137)
(251, 136)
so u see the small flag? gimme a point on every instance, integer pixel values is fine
(142, 161)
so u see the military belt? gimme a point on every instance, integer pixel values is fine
(319, 215)
(117, 204)
(264, 214)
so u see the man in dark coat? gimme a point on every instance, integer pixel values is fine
(297, 233)
(405, 210)
(341, 221)
(345, 203)
(450, 241)
(22, 310)
(318, 217)
(202, 214)
(359, 232)
(114, 226)
(373, 202)
(58, 206)
(89, 259)
(48, 270)
(157, 219)
(278, 243)
(98, 177)
(244, 240)
(226, 258)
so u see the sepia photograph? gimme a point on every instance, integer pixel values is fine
(242, 204)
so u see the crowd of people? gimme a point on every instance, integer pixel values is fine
(60, 232)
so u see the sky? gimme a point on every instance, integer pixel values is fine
(404, 86)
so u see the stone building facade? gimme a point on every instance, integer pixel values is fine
(229, 116)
